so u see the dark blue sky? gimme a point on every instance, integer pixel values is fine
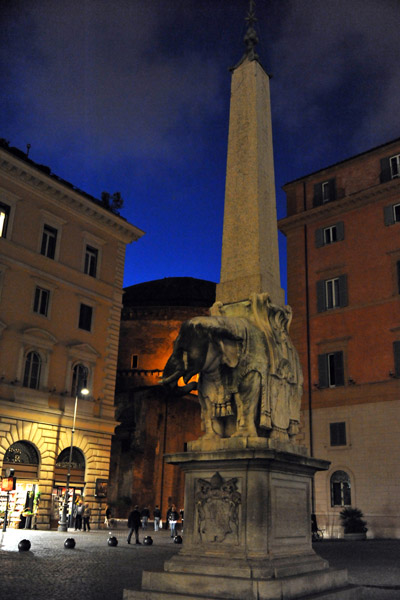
(133, 96)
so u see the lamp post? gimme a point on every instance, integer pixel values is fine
(63, 523)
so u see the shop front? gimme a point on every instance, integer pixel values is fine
(22, 502)
(76, 487)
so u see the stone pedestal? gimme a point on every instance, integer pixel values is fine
(247, 528)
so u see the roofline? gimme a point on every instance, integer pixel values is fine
(61, 190)
(341, 162)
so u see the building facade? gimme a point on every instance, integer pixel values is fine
(343, 248)
(153, 422)
(61, 274)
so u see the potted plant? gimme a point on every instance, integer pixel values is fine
(352, 520)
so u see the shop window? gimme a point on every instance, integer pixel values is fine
(330, 370)
(91, 261)
(324, 192)
(4, 217)
(80, 377)
(337, 434)
(332, 293)
(33, 365)
(41, 301)
(85, 317)
(329, 235)
(49, 241)
(340, 489)
(22, 453)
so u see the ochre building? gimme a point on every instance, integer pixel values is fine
(61, 274)
(153, 423)
(343, 247)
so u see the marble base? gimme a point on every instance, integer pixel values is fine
(247, 530)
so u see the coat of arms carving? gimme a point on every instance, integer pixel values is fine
(217, 503)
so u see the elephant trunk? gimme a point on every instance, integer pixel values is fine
(171, 378)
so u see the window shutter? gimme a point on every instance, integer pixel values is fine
(322, 371)
(339, 370)
(340, 231)
(396, 352)
(332, 189)
(389, 215)
(398, 276)
(319, 238)
(317, 194)
(321, 301)
(343, 300)
(386, 174)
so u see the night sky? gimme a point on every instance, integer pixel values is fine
(133, 96)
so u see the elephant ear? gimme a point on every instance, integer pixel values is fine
(230, 352)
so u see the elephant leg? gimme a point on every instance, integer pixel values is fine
(206, 417)
(247, 403)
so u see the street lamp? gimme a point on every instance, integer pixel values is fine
(63, 523)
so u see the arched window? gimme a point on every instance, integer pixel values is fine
(22, 453)
(80, 376)
(33, 365)
(77, 462)
(340, 489)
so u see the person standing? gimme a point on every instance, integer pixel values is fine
(134, 524)
(108, 516)
(173, 518)
(145, 514)
(78, 516)
(86, 517)
(156, 517)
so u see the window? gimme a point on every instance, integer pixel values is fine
(49, 240)
(396, 353)
(4, 217)
(340, 489)
(390, 168)
(337, 434)
(324, 192)
(392, 214)
(91, 260)
(134, 361)
(80, 377)
(85, 317)
(332, 293)
(33, 364)
(41, 301)
(330, 370)
(329, 235)
(395, 166)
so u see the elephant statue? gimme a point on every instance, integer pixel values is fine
(232, 357)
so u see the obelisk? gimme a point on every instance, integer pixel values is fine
(250, 254)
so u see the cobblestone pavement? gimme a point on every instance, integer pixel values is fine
(95, 571)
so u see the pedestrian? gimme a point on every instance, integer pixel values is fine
(173, 518)
(78, 514)
(157, 517)
(86, 517)
(134, 524)
(108, 516)
(145, 514)
(182, 513)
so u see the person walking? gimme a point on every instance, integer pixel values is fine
(173, 518)
(134, 524)
(157, 517)
(86, 517)
(108, 516)
(145, 514)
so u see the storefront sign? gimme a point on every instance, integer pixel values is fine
(8, 484)
(101, 488)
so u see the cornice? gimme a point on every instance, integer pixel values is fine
(345, 204)
(71, 199)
